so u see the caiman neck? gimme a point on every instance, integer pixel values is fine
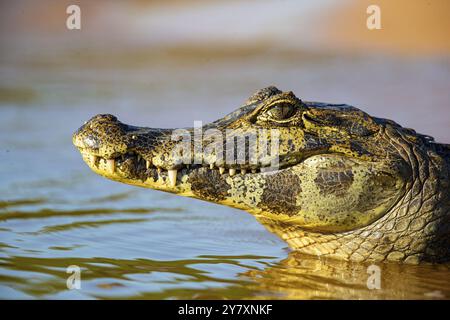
(415, 230)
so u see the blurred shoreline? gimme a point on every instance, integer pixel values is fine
(408, 28)
(418, 28)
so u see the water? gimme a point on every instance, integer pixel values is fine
(138, 243)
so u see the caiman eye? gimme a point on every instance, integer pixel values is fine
(278, 112)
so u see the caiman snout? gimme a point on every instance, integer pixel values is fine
(116, 150)
(100, 131)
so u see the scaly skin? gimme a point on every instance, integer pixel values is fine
(348, 186)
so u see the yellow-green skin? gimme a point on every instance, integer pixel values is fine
(349, 186)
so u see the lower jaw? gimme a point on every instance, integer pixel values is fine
(160, 179)
(185, 181)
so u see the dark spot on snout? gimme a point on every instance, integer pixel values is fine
(280, 193)
(209, 185)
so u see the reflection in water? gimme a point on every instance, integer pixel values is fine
(306, 277)
(157, 279)
(296, 277)
(60, 213)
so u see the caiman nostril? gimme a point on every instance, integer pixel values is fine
(91, 142)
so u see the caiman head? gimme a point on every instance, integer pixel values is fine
(328, 178)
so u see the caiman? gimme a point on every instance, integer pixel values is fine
(346, 185)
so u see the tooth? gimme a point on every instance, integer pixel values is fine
(232, 172)
(221, 170)
(253, 170)
(148, 163)
(172, 177)
(211, 166)
(243, 171)
(92, 159)
(111, 165)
